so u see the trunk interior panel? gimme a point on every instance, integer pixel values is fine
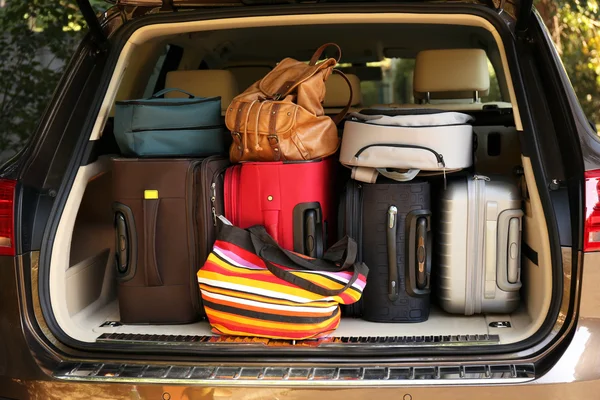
(83, 288)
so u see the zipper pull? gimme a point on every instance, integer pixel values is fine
(213, 199)
(445, 178)
(481, 178)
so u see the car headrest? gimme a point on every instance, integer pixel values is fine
(337, 92)
(247, 75)
(451, 74)
(204, 83)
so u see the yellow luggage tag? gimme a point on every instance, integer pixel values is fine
(150, 194)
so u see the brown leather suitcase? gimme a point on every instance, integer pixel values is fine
(165, 213)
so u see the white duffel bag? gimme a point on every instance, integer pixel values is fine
(402, 143)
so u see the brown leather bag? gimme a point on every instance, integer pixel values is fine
(281, 116)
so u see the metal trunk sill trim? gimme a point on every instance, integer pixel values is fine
(298, 376)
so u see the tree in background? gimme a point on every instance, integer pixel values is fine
(38, 37)
(574, 26)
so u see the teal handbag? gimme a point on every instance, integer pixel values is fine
(159, 127)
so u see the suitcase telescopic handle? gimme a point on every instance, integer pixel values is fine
(151, 206)
(391, 229)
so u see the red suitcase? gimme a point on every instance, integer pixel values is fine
(293, 200)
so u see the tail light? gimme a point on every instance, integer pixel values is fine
(591, 240)
(7, 217)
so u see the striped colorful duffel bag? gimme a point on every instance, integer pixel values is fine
(251, 286)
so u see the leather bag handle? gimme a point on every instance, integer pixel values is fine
(320, 50)
(338, 118)
(153, 277)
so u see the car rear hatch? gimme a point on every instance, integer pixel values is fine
(178, 344)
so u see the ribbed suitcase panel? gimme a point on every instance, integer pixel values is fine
(461, 276)
(451, 247)
(377, 198)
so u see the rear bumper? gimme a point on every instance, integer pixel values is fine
(576, 375)
(573, 375)
(62, 389)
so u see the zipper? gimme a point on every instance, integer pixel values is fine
(204, 186)
(213, 198)
(354, 119)
(190, 128)
(357, 216)
(192, 178)
(213, 194)
(231, 180)
(438, 156)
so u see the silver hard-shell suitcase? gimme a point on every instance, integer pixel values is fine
(479, 246)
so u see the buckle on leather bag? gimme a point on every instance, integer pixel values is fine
(275, 138)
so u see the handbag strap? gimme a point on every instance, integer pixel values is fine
(270, 252)
(320, 50)
(338, 118)
(167, 90)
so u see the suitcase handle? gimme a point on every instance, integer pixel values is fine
(125, 242)
(391, 227)
(308, 229)
(421, 253)
(508, 250)
(153, 277)
(418, 253)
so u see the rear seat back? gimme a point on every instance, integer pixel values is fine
(247, 75)
(457, 74)
(451, 79)
(337, 93)
(204, 83)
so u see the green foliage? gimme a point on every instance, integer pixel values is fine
(38, 37)
(580, 45)
(574, 26)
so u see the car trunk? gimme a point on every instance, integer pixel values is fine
(83, 286)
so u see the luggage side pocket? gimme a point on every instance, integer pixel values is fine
(126, 242)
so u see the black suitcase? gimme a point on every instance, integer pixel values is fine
(391, 223)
